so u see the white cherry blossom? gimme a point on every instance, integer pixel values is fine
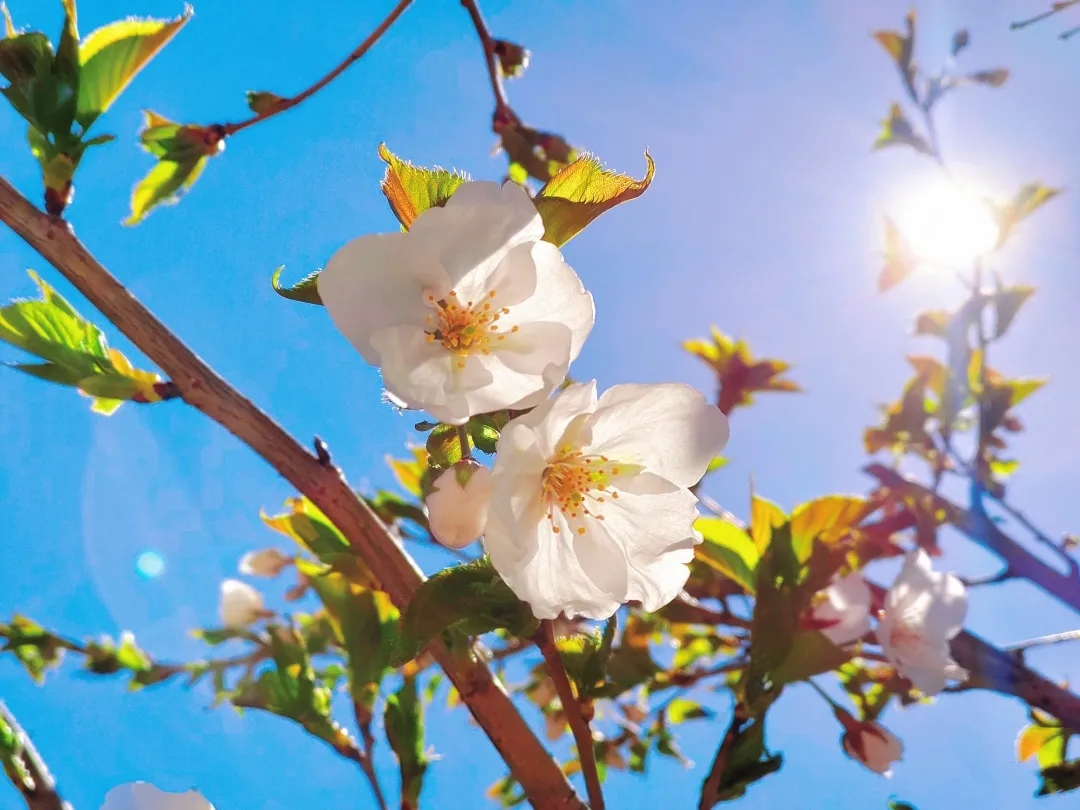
(591, 506)
(458, 503)
(144, 796)
(843, 614)
(873, 745)
(240, 604)
(466, 313)
(924, 610)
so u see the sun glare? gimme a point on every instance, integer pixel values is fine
(947, 225)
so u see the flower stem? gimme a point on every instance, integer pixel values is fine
(359, 51)
(366, 760)
(545, 640)
(463, 440)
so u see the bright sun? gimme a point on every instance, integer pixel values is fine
(947, 225)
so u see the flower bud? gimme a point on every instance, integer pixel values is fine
(870, 743)
(513, 58)
(268, 562)
(457, 504)
(240, 604)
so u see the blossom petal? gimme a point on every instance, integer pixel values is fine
(560, 296)
(478, 226)
(378, 281)
(426, 376)
(551, 579)
(848, 605)
(522, 367)
(144, 796)
(670, 429)
(653, 521)
(924, 598)
(549, 421)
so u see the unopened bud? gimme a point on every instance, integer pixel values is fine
(513, 58)
(268, 562)
(870, 744)
(240, 604)
(458, 502)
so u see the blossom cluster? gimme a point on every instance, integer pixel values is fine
(588, 505)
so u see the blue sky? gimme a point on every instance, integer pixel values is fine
(764, 219)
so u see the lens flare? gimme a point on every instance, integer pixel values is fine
(150, 564)
(947, 225)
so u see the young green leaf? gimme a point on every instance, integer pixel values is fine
(365, 623)
(75, 352)
(113, 55)
(263, 102)
(164, 185)
(291, 690)
(748, 761)
(411, 190)
(306, 290)
(775, 620)
(728, 549)
(897, 130)
(471, 598)
(581, 192)
(404, 721)
(1027, 200)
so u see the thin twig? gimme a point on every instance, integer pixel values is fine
(1056, 8)
(539, 775)
(35, 784)
(502, 104)
(367, 758)
(289, 103)
(571, 705)
(1043, 641)
(710, 789)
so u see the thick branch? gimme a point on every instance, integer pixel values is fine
(202, 388)
(978, 526)
(36, 785)
(289, 103)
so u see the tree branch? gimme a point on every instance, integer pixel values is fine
(25, 767)
(979, 528)
(571, 706)
(710, 789)
(289, 103)
(539, 775)
(502, 104)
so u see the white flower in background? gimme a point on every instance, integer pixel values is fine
(591, 507)
(144, 796)
(458, 502)
(267, 562)
(843, 614)
(873, 745)
(466, 313)
(924, 609)
(240, 604)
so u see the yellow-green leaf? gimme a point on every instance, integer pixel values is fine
(728, 549)
(764, 517)
(897, 130)
(75, 352)
(826, 519)
(1032, 739)
(164, 185)
(900, 260)
(412, 190)
(112, 56)
(305, 290)
(1027, 200)
(581, 192)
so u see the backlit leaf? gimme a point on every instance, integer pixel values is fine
(581, 192)
(164, 185)
(411, 190)
(1027, 200)
(404, 723)
(111, 57)
(728, 549)
(897, 130)
(75, 352)
(305, 290)
(900, 260)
